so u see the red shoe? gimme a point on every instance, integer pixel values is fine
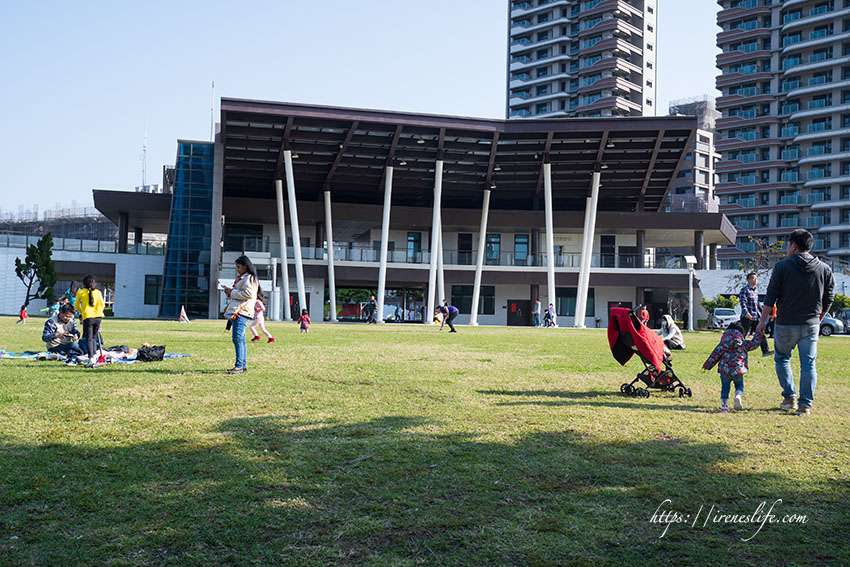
(271, 340)
(257, 338)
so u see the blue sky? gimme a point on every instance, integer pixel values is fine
(78, 79)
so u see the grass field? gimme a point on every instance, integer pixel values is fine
(397, 445)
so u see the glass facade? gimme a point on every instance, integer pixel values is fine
(186, 281)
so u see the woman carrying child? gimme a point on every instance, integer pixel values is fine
(731, 354)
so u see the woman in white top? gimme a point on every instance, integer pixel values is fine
(240, 309)
(670, 334)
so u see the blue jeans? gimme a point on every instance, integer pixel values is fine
(535, 319)
(805, 338)
(238, 332)
(70, 349)
(726, 381)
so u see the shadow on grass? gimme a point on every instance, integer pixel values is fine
(591, 399)
(391, 491)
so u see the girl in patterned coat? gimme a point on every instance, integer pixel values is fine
(730, 356)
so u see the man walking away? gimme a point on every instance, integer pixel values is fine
(802, 287)
(535, 313)
(749, 299)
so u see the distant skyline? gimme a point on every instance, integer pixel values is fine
(80, 78)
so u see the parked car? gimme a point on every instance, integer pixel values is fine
(843, 315)
(830, 325)
(721, 317)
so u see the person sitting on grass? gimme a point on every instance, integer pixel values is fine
(731, 354)
(60, 334)
(670, 334)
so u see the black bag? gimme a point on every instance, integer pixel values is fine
(151, 354)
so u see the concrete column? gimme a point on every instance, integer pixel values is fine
(274, 296)
(587, 253)
(479, 259)
(699, 249)
(641, 248)
(296, 230)
(550, 236)
(284, 263)
(329, 246)
(123, 228)
(385, 237)
(137, 239)
(435, 242)
(441, 274)
(713, 258)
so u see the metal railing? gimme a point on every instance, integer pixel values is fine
(10, 240)
(468, 258)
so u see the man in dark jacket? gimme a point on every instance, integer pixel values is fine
(60, 334)
(802, 288)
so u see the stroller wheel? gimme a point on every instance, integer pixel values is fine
(688, 391)
(624, 387)
(646, 393)
(681, 392)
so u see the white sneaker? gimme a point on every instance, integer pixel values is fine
(738, 403)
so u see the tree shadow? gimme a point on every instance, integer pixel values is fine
(606, 399)
(396, 490)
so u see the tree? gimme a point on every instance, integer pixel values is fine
(729, 301)
(761, 262)
(840, 302)
(38, 270)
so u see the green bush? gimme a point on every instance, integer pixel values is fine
(730, 301)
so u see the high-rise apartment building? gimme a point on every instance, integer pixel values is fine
(693, 187)
(784, 136)
(581, 58)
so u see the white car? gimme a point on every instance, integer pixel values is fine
(721, 317)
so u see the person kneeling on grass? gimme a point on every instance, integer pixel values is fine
(731, 354)
(60, 333)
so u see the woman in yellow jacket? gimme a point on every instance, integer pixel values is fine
(90, 305)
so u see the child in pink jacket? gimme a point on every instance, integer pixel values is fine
(259, 321)
(304, 321)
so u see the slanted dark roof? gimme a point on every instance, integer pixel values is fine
(150, 211)
(346, 150)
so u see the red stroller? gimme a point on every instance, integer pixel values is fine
(627, 336)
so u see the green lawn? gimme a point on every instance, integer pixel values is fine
(397, 445)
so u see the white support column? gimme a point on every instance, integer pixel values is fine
(329, 247)
(284, 261)
(441, 274)
(550, 236)
(274, 295)
(479, 259)
(385, 237)
(296, 230)
(587, 253)
(582, 275)
(435, 242)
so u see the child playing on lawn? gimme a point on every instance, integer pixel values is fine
(304, 321)
(259, 320)
(23, 315)
(731, 354)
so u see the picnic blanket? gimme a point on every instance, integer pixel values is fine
(117, 357)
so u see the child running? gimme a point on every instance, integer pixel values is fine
(304, 321)
(731, 354)
(22, 316)
(259, 320)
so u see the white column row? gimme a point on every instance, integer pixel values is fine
(436, 277)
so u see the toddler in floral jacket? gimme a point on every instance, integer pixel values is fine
(731, 354)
